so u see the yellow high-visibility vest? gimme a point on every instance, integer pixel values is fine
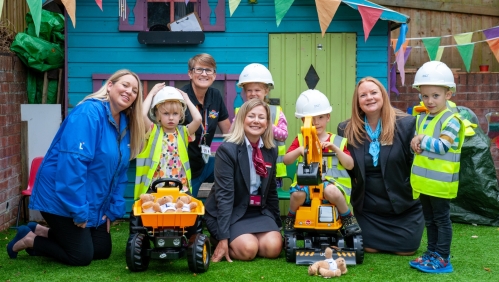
(334, 170)
(148, 159)
(434, 174)
(275, 112)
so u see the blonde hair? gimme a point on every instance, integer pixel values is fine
(355, 129)
(203, 58)
(265, 86)
(237, 134)
(134, 112)
(168, 105)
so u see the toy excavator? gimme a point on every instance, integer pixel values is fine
(318, 225)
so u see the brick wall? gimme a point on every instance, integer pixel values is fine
(477, 91)
(12, 95)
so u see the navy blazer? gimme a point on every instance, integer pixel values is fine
(396, 162)
(229, 198)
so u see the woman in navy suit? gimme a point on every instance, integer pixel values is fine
(242, 210)
(379, 138)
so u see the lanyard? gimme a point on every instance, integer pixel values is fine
(204, 129)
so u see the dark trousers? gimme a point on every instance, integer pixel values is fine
(71, 244)
(436, 213)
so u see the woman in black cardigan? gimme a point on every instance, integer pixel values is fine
(242, 210)
(379, 139)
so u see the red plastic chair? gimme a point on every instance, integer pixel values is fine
(35, 164)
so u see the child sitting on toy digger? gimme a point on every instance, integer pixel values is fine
(316, 104)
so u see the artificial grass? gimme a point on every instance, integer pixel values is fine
(474, 259)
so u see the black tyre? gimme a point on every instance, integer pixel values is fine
(199, 253)
(135, 221)
(136, 252)
(290, 247)
(357, 243)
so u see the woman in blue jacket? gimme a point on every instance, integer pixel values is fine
(80, 185)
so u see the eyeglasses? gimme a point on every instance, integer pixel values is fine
(201, 70)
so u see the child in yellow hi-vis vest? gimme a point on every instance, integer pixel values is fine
(316, 104)
(165, 151)
(435, 170)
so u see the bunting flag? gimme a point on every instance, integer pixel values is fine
(99, 3)
(326, 10)
(1, 8)
(401, 39)
(393, 80)
(70, 6)
(440, 51)
(369, 18)
(491, 32)
(281, 8)
(463, 38)
(401, 59)
(394, 44)
(431, 44)
(35, 8)
(466, 51)
(233, 4)
(494, 47)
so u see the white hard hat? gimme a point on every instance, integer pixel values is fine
(256, 73)
(312, 103)
(166, 94)
(434, 73)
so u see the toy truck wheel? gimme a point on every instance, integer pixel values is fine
(136, 257)
(290, 247)
(199, 253)
(357, 243)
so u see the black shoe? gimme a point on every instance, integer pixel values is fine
(289, 225)
(350, 225)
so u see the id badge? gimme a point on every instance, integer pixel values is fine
(278, 182)
(206, 152)
(255, 200)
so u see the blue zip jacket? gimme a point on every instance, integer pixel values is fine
(83, 175)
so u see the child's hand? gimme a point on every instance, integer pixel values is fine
(416, 143)
(184, 95)
(329, 146)
(302, 150)
(156, 88)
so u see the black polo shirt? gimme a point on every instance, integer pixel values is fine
(215, 111)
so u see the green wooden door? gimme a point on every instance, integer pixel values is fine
(334, 59)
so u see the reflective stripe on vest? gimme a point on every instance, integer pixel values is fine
(275, 112)
(335, 171)
(148, 160)
(434, 174)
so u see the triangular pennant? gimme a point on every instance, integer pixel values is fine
(1, 8)
(463, 38)
(70, 6)
(491, 32)
(431, 44)
(35, 8)
(186, 2)
(440, 51)
(466, 52)
(281, 8)
(99, 3)
(404, 46)
(403, 32)
(494, 47)
(369, 18)
(233, 4)
(393, 79)
(326, 10)
(400, 66)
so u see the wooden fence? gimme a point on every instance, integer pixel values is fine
(15, 11)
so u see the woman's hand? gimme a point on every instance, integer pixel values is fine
(108, 223)
(221, 251)
(81, 225)
(156, 88)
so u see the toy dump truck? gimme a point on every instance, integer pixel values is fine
(168, 233)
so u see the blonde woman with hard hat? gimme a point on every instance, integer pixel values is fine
(164, 111)
(379, 138)
(315, 104)
(256, 81)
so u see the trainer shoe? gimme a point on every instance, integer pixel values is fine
(436, 264)
(422, 259)
(350, 225)
(289, 224)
